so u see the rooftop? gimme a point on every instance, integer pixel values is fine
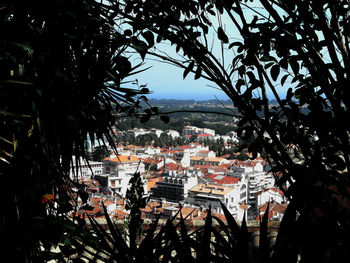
(212, 189)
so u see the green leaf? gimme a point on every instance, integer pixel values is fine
(221, 35)
(275, 71)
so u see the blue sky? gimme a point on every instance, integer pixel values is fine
(166, 82)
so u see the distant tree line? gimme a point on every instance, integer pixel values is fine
(178, 123)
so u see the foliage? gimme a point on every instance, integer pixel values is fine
(173, 241)
(298, 53)
(219, 119)
(99, 153)
(135, 200)
(63, 75)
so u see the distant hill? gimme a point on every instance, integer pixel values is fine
(177, 103)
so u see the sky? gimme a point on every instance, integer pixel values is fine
(166, 81)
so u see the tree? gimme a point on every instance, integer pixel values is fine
(297, 53)
(63, 73)
(99, 153)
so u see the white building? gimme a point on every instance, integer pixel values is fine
(118, 182)
(192, 130)
(132, 133)
(205, 136)
(205, 195)
(174, 134)
(233, 135)
(152, 150)
(85, 170)
(156, 132)
(129, 163)
(174, 187)
(257, 180)
(191, 150)
(207, 153)
(185, 160)
(198, 160)
(272, 194)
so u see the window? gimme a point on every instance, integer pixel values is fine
(113, 183)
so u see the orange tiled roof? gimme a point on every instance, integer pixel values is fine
(273, 209)
(152, 182)
(124, 159)
(226, 180)
(211, 188)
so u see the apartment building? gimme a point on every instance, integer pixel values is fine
(129, 163)
(83, 170)
(117, 182)
(174, 187)
(257, 181)
(210, 195)
(198, 160)
(192, 130)
(272, 194)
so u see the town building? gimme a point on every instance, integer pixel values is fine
(258, 180)
(81, 169)
(206, 153)
(116, 182)
(174, 134)
(192, 130)
(157, 132)
(174, 187)
(212, 195)
(128, 163)
(272, 194)
(198, 160)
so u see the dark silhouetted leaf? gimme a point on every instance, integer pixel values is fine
(164, 118)
(283, 79)
(275, 71)
(198, 73)
(222, 36)
(188, 69)
(87, 207)
(145, 118)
